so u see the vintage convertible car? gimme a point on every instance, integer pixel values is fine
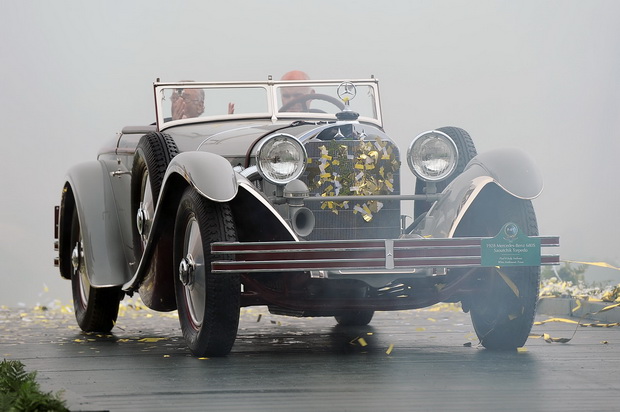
(287, 194)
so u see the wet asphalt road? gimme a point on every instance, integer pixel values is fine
(427, 360)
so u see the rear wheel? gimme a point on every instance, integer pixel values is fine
(208, 304)
(96, 309)
(503, 307)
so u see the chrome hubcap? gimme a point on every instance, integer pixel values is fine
(187, 268)
(76, 256)
(79, 271)
(192, 273)
(142, 220)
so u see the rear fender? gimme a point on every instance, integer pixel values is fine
(510, 169)
(89, 190)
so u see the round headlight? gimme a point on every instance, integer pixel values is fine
(281, 158)
(432, 156)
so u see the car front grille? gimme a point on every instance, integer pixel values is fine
(346, 165)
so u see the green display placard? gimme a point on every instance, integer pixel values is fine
(510, 248)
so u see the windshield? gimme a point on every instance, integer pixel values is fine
(199, 101)
(190, 102)
(325, 99)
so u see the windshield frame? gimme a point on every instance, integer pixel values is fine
(272, 90)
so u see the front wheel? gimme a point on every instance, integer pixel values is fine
(503, 307)
(96, 309)
(208, 304)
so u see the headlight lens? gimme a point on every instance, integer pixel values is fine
(432, 156)
(281, 158)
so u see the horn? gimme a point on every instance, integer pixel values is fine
(302, 220)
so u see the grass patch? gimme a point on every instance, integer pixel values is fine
(19, 391)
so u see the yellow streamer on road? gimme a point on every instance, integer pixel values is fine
(599, 264)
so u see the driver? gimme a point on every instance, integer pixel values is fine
(187, 103)
(291, 93)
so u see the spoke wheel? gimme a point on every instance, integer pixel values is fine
(503, 308)
(96, 309)
(208, 304)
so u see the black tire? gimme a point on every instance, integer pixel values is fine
(355, 318)
(96, 309)
(467, 151)
(503, 308)
(208, 304)
(154, 152)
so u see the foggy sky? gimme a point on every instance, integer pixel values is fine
(538, 75)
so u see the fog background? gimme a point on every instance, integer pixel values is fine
(539, 75)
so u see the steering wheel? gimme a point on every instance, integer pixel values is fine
(312, 96)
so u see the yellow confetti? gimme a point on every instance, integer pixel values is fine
(599, 325)
(606, 308)
(420, 329)
(578, 305)
(368, 171)
(362, 342)
(521, 350)
(390, 349)
(510, 283)
(549, 339)
(166, 356)
(203, 358)
(150, 340)
(556, 320)
(599, 264)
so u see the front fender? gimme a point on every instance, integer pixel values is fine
(256, 219)
(93, 198)
(210, 174)
(510, 169)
